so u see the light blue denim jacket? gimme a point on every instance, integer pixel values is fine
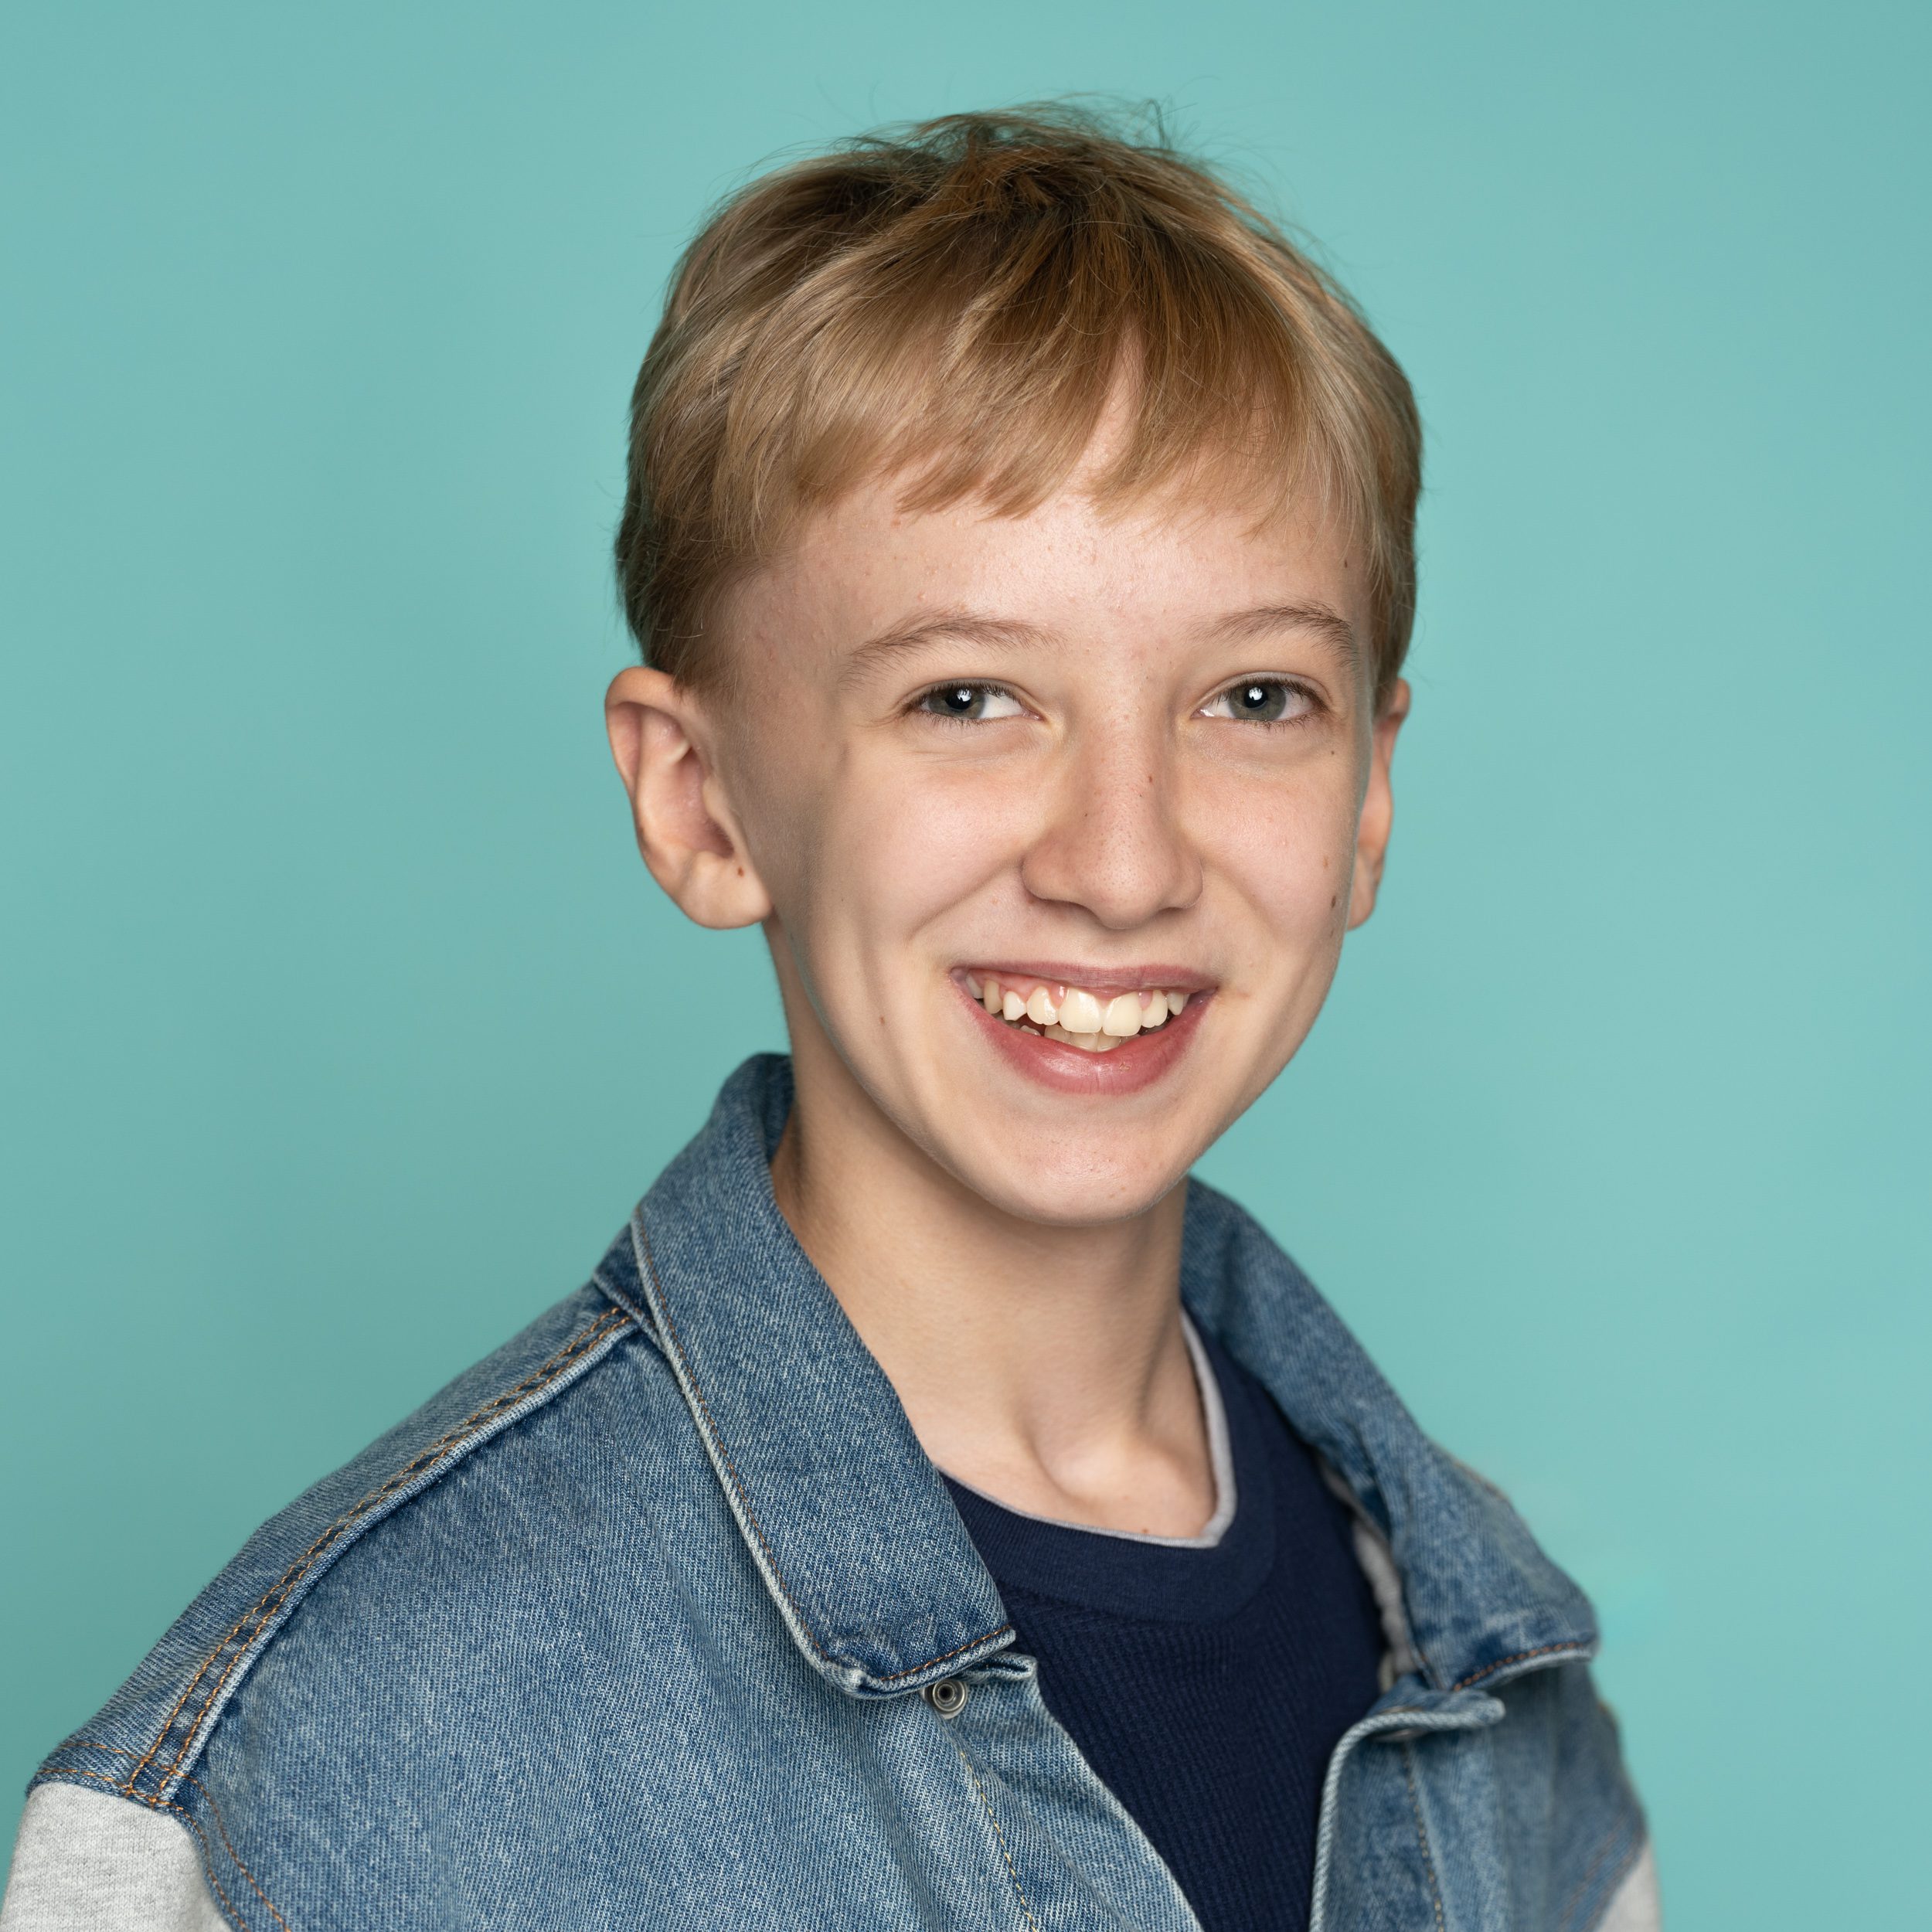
(629, 1626)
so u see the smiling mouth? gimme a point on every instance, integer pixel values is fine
(1094, 1021)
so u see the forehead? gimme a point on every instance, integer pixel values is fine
(1069, 570)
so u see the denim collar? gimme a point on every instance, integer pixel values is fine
(850, 1524)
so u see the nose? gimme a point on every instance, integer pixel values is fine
(1111, 840)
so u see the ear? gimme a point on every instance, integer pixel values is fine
(1378, 807)
(662, 739)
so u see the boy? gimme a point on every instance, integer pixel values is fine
(937, 1511)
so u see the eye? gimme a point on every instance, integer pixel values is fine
(1261, 701)
(969, 703)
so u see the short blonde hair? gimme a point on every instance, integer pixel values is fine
(957, 302)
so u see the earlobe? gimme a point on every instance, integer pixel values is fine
(1378, 807)
(686, 831)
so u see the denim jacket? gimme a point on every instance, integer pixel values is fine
(630, 1626)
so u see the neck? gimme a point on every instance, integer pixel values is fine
(1044, 1365)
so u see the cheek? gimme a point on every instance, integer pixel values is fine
(881, 853)
(1286, 851)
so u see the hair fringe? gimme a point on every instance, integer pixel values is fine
(958, 301)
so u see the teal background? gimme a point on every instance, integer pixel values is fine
(341, 1026)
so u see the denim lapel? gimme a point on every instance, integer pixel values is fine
(848, 1520)
(1483, 1601)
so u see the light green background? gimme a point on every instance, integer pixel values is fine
(341, 1026)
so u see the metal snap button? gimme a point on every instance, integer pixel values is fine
(947, 1696)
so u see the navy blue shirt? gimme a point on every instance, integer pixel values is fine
(1207, 1686)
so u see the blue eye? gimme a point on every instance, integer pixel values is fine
(1261, 701)
(969, 703)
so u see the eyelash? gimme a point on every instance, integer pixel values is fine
(1311, 697)
(979, 686)
(982, 686)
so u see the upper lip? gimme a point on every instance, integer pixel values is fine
(1126, 979)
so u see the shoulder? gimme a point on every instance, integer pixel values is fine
(446, 1483)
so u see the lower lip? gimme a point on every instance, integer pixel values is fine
(1135, 1064)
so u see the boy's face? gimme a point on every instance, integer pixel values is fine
(1097, 761)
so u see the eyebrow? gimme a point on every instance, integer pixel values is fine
(951, 626)
(970, 627)
(1330, 626)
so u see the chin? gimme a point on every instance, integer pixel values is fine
(1092, 1191)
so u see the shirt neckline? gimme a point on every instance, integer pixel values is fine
(1221, 1459)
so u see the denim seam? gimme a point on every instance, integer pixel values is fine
(1521, 1656)
(617, 1298)
(228, 1844)
(1622, 1865)
(1422, 1833)
(163, 1804)
(972, 1643)
(1005, 1851)
(538, 1378)
(662, 1301)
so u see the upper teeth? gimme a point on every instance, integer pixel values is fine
(1072, 1014)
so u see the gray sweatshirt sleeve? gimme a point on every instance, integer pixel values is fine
(1636, 1907)
(85, 1862)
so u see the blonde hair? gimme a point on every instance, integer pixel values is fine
(957, 302)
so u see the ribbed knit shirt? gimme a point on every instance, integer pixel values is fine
(1207, 1684)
